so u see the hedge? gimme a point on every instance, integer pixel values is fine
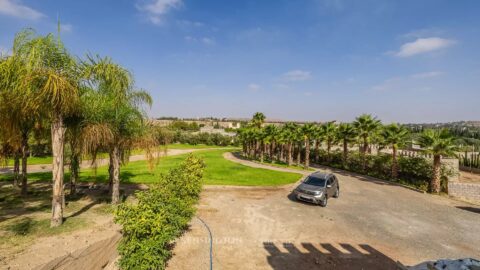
(159, 215)
(412, 171)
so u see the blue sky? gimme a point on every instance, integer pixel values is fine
(405, 60)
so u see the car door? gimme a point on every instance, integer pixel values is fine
(330, 186)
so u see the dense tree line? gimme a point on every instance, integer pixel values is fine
(89, 104)
(293, 143)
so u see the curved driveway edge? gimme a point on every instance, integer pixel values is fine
(232, 157)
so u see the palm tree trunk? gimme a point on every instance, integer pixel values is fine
(299, 152)
(58, 141)
(263, 149)
(290, 154)
(307, 153)
(364, 153)
(16, 169)
(74, 168)
(329, 147)
(394, 163)
(317, 151)
(110, 172)
(345, 152)
(116, 175)
(282, 152)
(435, 184)
(24, 150)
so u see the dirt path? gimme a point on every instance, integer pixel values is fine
(372, 225)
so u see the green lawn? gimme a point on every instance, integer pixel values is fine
(218, 171)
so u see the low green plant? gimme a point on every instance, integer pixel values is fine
(159, 215)
(413, 171)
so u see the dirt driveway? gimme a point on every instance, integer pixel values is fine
(371, 226)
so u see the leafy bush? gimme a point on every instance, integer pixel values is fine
(159, 216)
(413, 171)
(204, 138)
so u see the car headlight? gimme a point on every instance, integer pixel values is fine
(318, 193)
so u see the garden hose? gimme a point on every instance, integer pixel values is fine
(211, 242)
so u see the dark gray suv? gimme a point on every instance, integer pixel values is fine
(317, 188)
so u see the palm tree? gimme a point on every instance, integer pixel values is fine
(49, 77)
(18, 110)
(346, 133)
(118, 106)
(395, 136)
(318, 136)
(290, 131)
(307, 132)
(258, 119)
(437, 143)
(329, 131)
(271, 136)
(366, 126)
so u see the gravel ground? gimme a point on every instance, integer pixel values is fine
(372, 225)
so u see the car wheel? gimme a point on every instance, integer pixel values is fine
(323, 202)
(337, 193)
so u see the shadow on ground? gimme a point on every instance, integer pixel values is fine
(332, 258)
(470, 209)
(38, 199)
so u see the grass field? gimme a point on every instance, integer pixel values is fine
(48, 159)
(218, 171)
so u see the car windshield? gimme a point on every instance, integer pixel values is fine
(315, 181)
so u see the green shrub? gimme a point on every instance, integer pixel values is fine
(204, 138)
(413, 171)
(159, 216)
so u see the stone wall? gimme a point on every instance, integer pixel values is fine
(469, 191)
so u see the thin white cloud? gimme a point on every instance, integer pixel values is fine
(187, 23)
(424, 45)
(208, 41)
(254, 87)
(66, 28)
(15, 8)
(157, 9)
(297, 75)
(423, 33)
(203, 40)
(425, 75)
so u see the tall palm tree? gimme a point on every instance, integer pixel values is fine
(290, 132)
(50, 75)
(366, 126)
(271, 136)
(395, 136)
(258, 119)
(346, 133)
(329, 131)
(318, 136)
(439, 143)
(18, 110)
(119, 107)
(307, 132)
